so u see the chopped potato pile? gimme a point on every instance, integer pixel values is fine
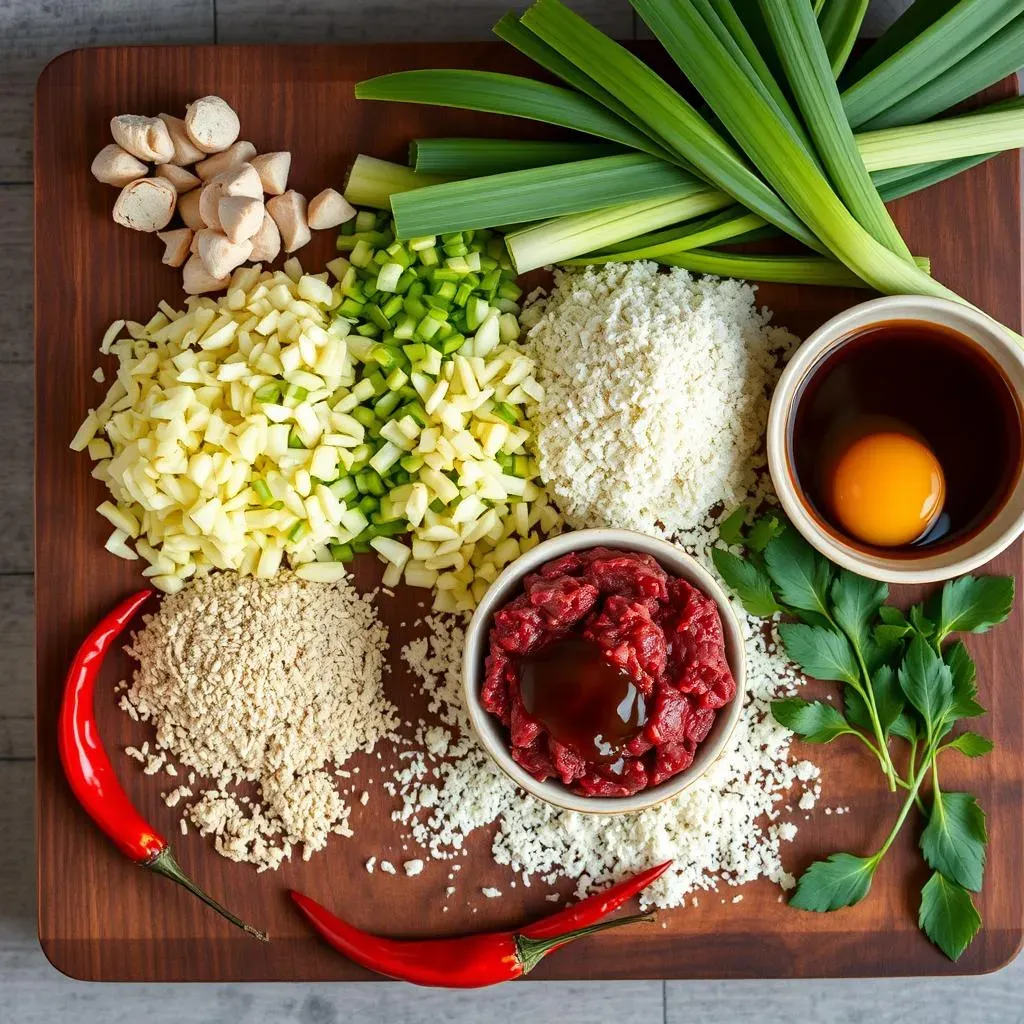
(235, 437)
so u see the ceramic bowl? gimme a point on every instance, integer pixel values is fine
(976, 549)
(493, 735)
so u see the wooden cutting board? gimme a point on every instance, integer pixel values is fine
(100, 917)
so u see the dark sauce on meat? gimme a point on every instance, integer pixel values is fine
(584, 702)
(928, 382)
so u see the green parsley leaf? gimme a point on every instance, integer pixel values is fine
(814, 721)
(747, 582)
(855, 603)
(764, 531)
(801, 576)
(889, 700)
(856, 710)
(822, 653)
(730, 529)
(927, 682)
(973, 604)
(965, 687)
(971, 744)
(840, 881)
(920, 621)
(954, 839)
(948, 916)
(905, 726)
(888, 638)
(892, 616)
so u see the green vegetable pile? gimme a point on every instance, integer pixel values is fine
(903, 677)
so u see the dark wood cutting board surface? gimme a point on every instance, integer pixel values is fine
(100, 917)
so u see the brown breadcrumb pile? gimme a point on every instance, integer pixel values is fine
(274, 682)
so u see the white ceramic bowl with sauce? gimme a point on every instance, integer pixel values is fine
(493, 735)
(977, 548)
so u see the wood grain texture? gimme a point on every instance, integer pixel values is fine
(99, 918)
(393, 21)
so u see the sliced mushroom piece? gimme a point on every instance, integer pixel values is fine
(240, 216)
(266, 243)
(176, 246)
(196, 279)
(219, 254)
(289, 213)
(188, 207)
(185, 151)
(113, 166)
(144, 137)
(328, 210)
(211, 124)
(182, 180)
(239, 153)
(273, 170)
(146, 205)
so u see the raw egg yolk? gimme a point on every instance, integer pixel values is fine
(887, 489)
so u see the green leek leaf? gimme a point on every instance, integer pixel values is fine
(840, 22)
(471, 158)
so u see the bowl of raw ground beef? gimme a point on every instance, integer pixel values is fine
(603, 671)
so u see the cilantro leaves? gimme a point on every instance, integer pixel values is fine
(900, 678)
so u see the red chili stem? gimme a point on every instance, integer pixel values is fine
(469, 961)
(90, 773)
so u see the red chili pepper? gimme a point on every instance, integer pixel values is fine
(90, 772)
(475, 961)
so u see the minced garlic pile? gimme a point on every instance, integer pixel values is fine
(268, 682)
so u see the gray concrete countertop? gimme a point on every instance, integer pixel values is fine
(31, 32)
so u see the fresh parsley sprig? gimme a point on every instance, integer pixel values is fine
(902, 677)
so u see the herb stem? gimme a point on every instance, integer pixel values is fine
(866, 694)
(905, 809)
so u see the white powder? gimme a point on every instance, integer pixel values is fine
(718, 830)
(655, 394)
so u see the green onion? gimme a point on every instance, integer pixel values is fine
(840, 22)
(561, 239)
(372, 182)
(538, 193)
(513, 32)
(755, 125)
(997, 57)
(802, 51)
(471, 158)
(505, 94)
(683, 129)
(930, 53)
(779, 269)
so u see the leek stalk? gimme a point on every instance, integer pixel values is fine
(801, 49)
(471, 158)
(936, 49)
(840, 22)
(539, 193)
(558, 240)
(777, 269)
(372, 182)
(506, 94)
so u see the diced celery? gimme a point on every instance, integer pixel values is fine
(387, 279)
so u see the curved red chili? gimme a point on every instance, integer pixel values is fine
(476, 961)
(90, 773)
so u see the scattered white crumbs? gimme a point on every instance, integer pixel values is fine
(370, 865)
(388, 868)
(491, 893)
(364, 798)
(413, 867)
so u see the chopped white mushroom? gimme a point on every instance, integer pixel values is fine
(219, 254)
(181, 179)
(328, 210)
(266, 243)
(289, 213)
(176, 246)
(188, 207)
(146, 204)
(197, 279)
(211, 124)
(239, 153)
(242, 180)
(273, 170)
(144, 137)
(240, 217)
(186, 152)
(113, 166)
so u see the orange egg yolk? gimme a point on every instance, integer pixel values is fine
(887, 489)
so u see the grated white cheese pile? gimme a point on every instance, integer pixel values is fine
(727, 828)
(266, 682)
(655, 394)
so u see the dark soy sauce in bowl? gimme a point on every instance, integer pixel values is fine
(929, 383)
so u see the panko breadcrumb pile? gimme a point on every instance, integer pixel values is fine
(268, 682)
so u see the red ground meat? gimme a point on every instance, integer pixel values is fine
(664, 633)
